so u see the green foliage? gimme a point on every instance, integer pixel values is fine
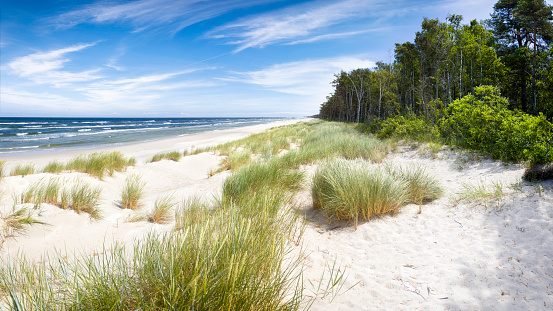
(97, 164)
(348, 190)
(2, 163)
(483, 122)
(173, 156)
(23, 170)
(54, 167)
(412, 127)
(132, 192)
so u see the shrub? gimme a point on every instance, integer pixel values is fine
(483, 122)
(132, 192)
(412, 127)
(345, 190)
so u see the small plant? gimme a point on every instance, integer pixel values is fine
(54, 167)
(2, 163)
(346, 190)
(481, 194)
(16, 222)
(162, 210)
(173, 156)
(97, 164)
(193, 211)
(132, 192)
(422, 187)
(23, 170)
(84, 198)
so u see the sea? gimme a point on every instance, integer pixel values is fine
(23, 136)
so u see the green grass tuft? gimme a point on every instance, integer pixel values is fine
(347, 190)
(16, 222)
(132, 192)
(54, 167)
(97, 164)
(173, 156)
(23, 170)
(162, 212)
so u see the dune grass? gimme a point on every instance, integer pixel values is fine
(54, 167)
(162, 212)
(23, 170)
(132, 192)
(348, 190)
(16, 222)
(82, 197)
(235, 159)
(173, 156)
(98, 164)
(192, 211)
(422, 186)
(2, 163)
(227, 261)
(259, 177)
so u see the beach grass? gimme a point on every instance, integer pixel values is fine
(83, 197)
(23, 170)
(173, 156)
(132, 192)
(192, 211)
(98, 164)
(422, 186)
(259, 177)
(54, 167)
(235, 159)
(16, 222)
(2, 163)
(227, 261)
(163, 210)
(347, 190)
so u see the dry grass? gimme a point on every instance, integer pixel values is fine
(16, 222)
(162, 212)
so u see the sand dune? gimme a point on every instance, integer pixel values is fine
(456, 255)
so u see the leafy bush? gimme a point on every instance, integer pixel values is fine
(401, 127)
(483, 122)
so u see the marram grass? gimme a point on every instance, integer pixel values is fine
(54, 167)
(348, 190)
(23, 170)
(2, 163)
(16, 222)
(132, 192)
(225, 262)
(173, 156)
(163, 210)
(98, 164)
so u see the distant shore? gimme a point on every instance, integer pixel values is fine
(143, 151)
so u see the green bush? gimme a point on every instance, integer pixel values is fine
(413, 127)
(483, 122)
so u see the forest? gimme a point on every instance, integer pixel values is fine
(456, 79)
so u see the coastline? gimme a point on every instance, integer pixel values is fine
(143, 151)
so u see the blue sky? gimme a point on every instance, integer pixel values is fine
(196, 58)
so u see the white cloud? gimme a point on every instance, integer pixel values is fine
(28, 101)
(291, 23)
(144, 14)
(139, 90)
(44, 67)
(310, 77)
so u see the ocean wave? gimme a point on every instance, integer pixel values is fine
(84, 130)
(21, 134)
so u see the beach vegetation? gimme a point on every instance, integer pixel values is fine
(23, 169)
(54, 167)
(83, 197)
(132, 192)
(173, 156)
(2, 164)
(163, 210)
(98, 164)
(235, 159)
(349, 190)
(421, 186)
(16, 222)
(192, 211)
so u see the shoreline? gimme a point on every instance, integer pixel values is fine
(143, 151)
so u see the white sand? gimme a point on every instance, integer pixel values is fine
(450, 257)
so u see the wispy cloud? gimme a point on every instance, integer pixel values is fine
(145, 14)
(293, 23)
(45, 67)
(140, 90)
(336, 35)
(310, 77)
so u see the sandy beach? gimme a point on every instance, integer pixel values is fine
(456, 255)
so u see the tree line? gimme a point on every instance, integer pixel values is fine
(513, 51)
